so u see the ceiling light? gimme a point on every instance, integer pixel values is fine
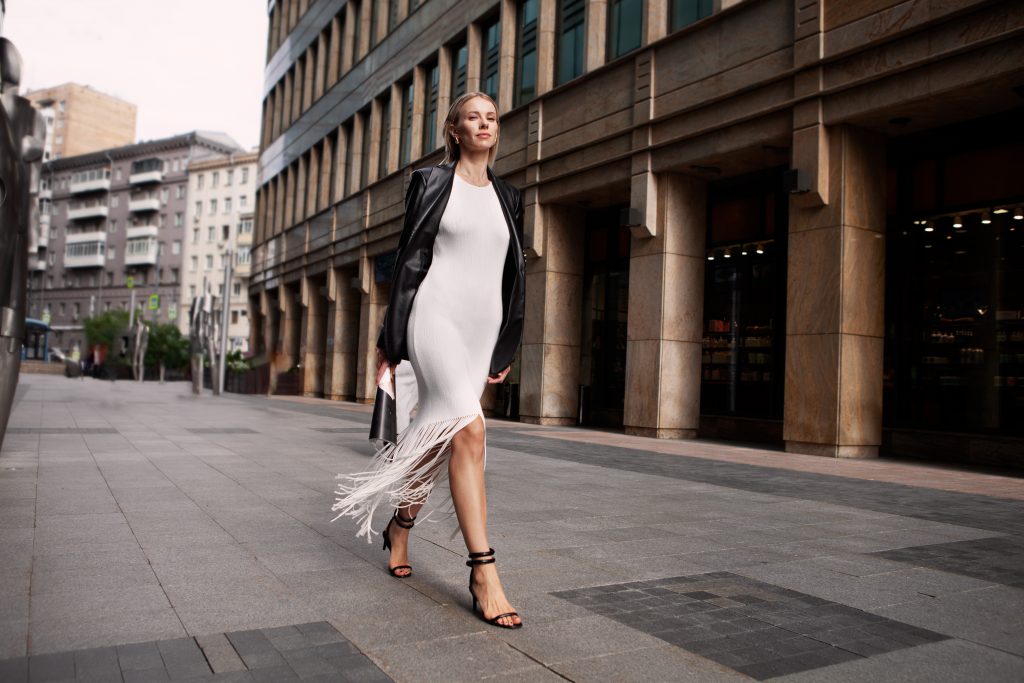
(985, 217)
(728, 253)
(1018, 214)
(957, 223)
(1001, 210)
(743, 252)
(711, 256)
(928, 227)
(760, 248)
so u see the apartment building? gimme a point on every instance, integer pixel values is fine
(219, 220)
(790, 222)
(80, 120)
(116, 227)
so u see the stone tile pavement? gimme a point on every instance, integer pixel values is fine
(150, 535)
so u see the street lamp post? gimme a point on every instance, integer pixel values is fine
(224, 318)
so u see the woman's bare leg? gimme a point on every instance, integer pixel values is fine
(466, 477)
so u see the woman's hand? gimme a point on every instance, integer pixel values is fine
(500, 377)
(382, 364)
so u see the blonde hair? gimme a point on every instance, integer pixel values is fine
(451, 149)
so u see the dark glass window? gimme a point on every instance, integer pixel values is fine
(625, 26)
(460, 55)
(392, 15)
(374, 19)
(385, 137)
(364, 170)
(685, 12)
(526, 53)
(491, 56)
(413, 4)
(357, 23)
(430, 111)
(571, 39)
(742, 359)
(406, 141)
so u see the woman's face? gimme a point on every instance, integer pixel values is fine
(477, 129)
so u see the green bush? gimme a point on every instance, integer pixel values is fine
(167, 346)
(105, 330)
(236, 363)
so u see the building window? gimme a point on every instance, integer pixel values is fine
(430, 109)
(225, 233)
(211, 233)
(229, 176)
(245, 227)
(195, 235)
(179, 219)
(115, 200)
(192, 289)
(215, 179)
(176, 247)
(174, 276)
(526, 53)
(199, 181)
(165, 194)
(227, 205)
(49, 282)
(571, 40)
(460, 56)
(237, 289)
(625, 26)
(406, 141)
(112, 226)
(179, 192)
(234, 317)
(111, 252)
(213, 206)
(243, 201)
(491, 57)
(243, 256)
(209, 261)
(160, 220)
(199, 208)
(385, 138)
(685, 12)
(245, 175)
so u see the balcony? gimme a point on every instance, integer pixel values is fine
(85, 250)
(141, 252)
(82, 237)
(37, 265)
(243, 239)
(146, 177)
(140, 205)
(243, 269)
(86, 212)
(46, 194)
(93, 185)
(140, 231)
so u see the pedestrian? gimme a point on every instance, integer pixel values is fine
(456, 314)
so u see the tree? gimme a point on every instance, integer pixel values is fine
(105, 330)
(167, 348)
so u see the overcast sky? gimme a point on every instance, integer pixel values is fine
(186, 64)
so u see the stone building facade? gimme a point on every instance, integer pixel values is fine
(792, 222)
(219, 220)
(116, 217)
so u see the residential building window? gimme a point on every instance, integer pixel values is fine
(460, 57)
(174, 276)
(526, 52)
(110, 278)
(160, 220)
(245, 175)
(243, 255)
(491, 57)
(117, 174)
(245, 227)
(430, 110)
(78, 307)
(213, 206)
(195, 235)
(625, 26)
(209, 261)
(215, 179)
(179, 219)
(63, 310)
(111, 252)
(106, 306)
(192, 289)
(571, 37)
(406, 141)
(243, 201)
(211, 233)
(176, 247)
(115, 200)
(199, 181)
(234, 317)
(199, 208)
(237, 289)
(165, 194)
(229, 175)
(685, 12)
(179, 192)
(227, 205)
(225, 233)
(52, 259)
(112, 226)
(49, 282)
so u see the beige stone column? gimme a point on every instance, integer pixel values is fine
(340, 169)
(373, 305)
(549, 375)
(597, 40)
(375, 128)
(271, 315)
(320, 76)
(343, 331)
(359, 129)
(365, 9)
(834, 302)
(348, 45)
(291, 327)
(334, 53)
(666, 304)
(655, 20)
(547, 21)
(419, 84)
(507, 55)
(395, 146)
(474, 56)
(314, 337)
(444, 90)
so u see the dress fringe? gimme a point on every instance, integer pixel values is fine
(403, 473)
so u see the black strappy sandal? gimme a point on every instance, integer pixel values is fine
(405, 524)
(487, 557)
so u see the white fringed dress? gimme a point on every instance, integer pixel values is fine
(453, 327)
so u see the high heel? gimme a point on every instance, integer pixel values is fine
(487, 557)
(405, 524)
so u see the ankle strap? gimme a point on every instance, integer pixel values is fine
(402, 522)
(485, 557)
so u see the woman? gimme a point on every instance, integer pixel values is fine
(456, 312)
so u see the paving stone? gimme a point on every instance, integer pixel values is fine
(146, 676)
(183, 658)
(59, 666)
(97, 665)
(255, 650)
(220, 654)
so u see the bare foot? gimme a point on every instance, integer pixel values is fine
(488, 591)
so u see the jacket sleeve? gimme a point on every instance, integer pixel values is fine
(412, 199)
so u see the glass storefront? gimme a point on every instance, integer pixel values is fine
(742, 363)
(954, 355)
(605, 308)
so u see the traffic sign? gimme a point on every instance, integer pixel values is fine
(154, 302)
(129, 282)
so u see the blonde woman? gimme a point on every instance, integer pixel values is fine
(456, 313)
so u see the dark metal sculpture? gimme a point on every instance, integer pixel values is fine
(21, 145)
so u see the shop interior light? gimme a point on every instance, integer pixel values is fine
(1018, 214)
(711, 255)
(985, 217)
(1001, 209)
(760, 248)
(957, 222)
(928, 227)
(727, 253)
(743, 250)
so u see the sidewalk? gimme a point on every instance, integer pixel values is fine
(150, 535)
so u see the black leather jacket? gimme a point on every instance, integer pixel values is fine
(425, 202)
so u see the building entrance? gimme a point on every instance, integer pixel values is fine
(605, 302)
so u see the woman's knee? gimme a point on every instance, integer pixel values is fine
(471, 437)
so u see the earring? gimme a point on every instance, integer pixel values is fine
(456, 139)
